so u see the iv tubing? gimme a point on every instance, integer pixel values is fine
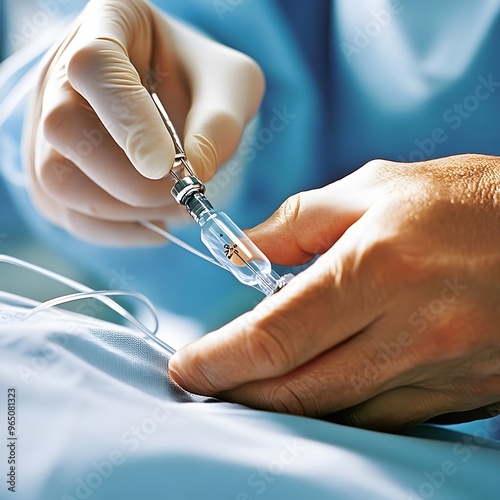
(87, 292)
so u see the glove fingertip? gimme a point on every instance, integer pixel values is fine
(154, 165)
(151, 154)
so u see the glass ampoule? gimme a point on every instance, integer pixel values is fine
(226, 241)
(237, 253)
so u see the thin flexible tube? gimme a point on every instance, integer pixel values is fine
(179, 242)
(87, 292)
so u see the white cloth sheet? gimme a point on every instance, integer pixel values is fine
(97, 417)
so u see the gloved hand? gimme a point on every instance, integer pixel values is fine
(95, 144)
(396, 323)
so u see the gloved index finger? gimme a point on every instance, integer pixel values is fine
(102, 62)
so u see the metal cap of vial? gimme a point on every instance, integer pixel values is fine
(187, 186)
(189, 192)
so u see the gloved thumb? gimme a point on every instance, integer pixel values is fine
(222, 105)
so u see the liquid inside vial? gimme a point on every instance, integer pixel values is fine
(236, 252)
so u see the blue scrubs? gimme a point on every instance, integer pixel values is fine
(345, 84)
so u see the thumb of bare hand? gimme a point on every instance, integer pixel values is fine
(309, 223)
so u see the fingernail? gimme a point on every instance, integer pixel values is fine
(153, 164)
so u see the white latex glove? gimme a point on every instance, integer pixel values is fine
(95, 144)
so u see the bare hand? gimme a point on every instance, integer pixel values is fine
(396, 323)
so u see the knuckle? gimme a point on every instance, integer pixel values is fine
(54, 176)
(291, 207)
(468, 320)
(55, 121)
(228, 126)
(84, 228)
(376, 165)
(72, 223)
(285, 398)
(81, 59)
(288, 213)
(378, 256)
(382, 170)
(85, 59)
(252, 73)
(46, 207)
(248, 66)
(379, 270)
(384, 260)
(267, 351)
